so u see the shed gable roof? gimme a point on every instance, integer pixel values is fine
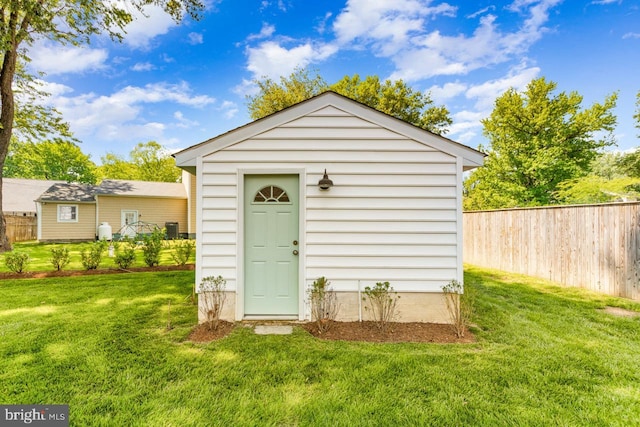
(329, 103)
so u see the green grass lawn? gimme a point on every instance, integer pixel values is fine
(40, 256)
(544, 356)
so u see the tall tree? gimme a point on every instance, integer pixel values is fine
(274, 96)
(397, 99)
(149, 161)
(392, 97)
(62, 161)
(538, 140)
(63, 21)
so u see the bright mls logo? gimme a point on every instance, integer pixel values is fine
(36, 415)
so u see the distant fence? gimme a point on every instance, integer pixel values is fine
(592, 246)
(21, 228)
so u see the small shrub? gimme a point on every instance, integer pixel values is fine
(323, 302)
(152, 246)
(125, 253)
(16, 261)
(59, 257)
(459, 306)
(212, 298)
(382, 301)
(92, 258)
(183, 249)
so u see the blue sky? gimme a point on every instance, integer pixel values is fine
(180, 85)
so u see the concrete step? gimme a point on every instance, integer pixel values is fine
(273, 329)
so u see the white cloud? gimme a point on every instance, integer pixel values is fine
(54, 89)
(631, 36)
(486, 93)
(57, 59)
(440, 94)
(266, 31)
(183, 122)
(271, 59)
(400, 31)
(195, 38)
(245, 88)
(229, 109)
(143, 66)
(145, 27)
(121, 114)
(384, 21)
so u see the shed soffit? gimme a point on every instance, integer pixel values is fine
(187, 158)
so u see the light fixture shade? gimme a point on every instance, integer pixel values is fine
(325, 183)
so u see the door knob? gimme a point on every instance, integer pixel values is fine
(295, 252)
(295, 243)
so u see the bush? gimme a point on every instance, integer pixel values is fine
(16, 261)
(382, 300)
(459, 306)
(323, 302)
(91, 259)
(125, 253)
(59, 257)
(183, 250)
(212, 299)
(152, 246)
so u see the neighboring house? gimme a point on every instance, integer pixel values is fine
(19, 195)
(74, 212)
(394, 212)
(19, 206)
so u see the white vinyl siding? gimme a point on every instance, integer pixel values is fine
(392, 214)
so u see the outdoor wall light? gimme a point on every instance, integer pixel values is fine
(325, 183)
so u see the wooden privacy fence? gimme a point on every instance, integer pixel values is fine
(589, 246)
(21, 228)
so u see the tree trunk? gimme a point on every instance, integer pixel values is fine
(6, 126)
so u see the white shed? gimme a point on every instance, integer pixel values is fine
(394, 212)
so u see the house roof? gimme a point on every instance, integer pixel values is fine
(187, 158)
(110, 187)
(69, 192)
(19, 195)
(85, 193)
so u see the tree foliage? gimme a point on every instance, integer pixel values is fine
(395, 98)
(614, 177)
(63, 161)
(147, 162)
(597, 189)
(274, 96)
(67, 22)
(538, 140)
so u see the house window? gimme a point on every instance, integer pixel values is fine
(67, 213)
(271, 194)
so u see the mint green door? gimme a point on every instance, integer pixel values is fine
(271, 245)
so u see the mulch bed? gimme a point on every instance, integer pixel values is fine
(356, 331)
(396, 332)
(74, 273)
(202, 333)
